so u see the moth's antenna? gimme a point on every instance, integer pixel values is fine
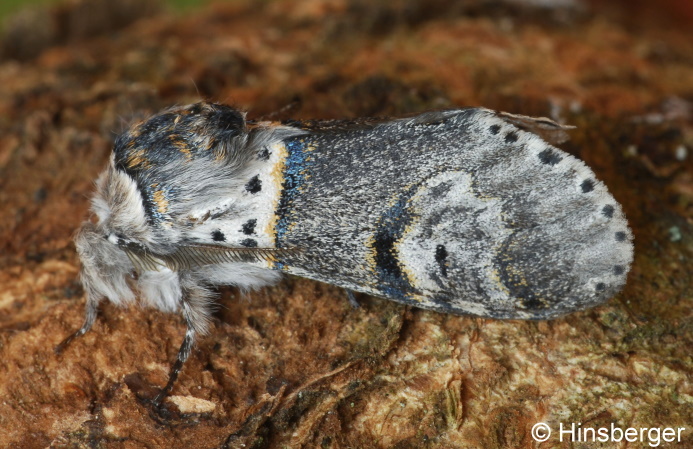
(199, 95)
(294, 105)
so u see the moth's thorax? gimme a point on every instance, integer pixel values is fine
(203, 176)
(179, 188)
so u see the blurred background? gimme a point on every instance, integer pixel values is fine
(8, 7)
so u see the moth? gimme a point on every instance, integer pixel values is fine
(463, 211)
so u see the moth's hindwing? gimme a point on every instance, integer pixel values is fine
(458, 211)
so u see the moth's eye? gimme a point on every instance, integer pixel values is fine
(115, 239)
(125, 243)
(120, 240)
(134, 275)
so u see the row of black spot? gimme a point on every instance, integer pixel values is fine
(509, 137)
(547, 157)
(219, 236)
(550, 157)
(248, 228)
(253, 186)
(608, 212)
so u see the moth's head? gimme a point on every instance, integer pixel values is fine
(107, 271)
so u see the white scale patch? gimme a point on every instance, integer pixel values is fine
(255, 218)
(271, 175)
(417, 248)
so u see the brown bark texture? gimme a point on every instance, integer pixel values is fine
(295, 365)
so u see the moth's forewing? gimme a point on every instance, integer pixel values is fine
(457, 211)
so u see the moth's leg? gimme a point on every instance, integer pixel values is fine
(196, 312)
(183, 354)
(352, 299)
(91, 311)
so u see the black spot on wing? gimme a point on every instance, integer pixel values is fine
(249, 243)
(254, 185)
(511, 137)
(218, 236)
(531, 302)
(249, 226)
(620, 236)
(441, 258)
(619, 270)
(494, 129)
(587, 185)
(264, 154)
(600, 287)
(608, 211)
(549, 157)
